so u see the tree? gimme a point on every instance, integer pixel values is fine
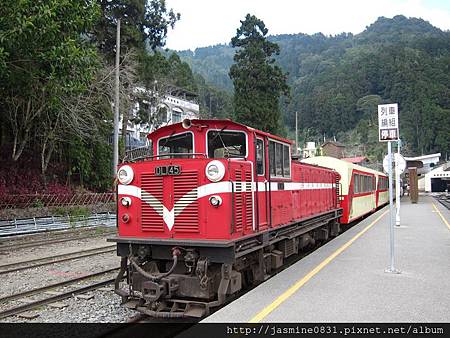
(142, 22)
(45, 57)
(258, 82)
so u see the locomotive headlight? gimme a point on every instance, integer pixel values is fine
(215, 171)
(125, 201)
(215, 201)
(125, 174)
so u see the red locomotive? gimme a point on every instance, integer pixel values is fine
(217, 207)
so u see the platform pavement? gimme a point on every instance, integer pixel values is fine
(352, 285)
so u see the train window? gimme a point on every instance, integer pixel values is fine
(224, 144)
(286, 162)
(279, 158)
(176, 146)
(259, 156)
(364, 183)
(272, 158)
(383, 185)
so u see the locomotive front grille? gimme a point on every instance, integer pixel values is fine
(186, 203)
(156, 193)
(152, 197)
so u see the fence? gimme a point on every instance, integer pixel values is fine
(50, 200)
(44, 224)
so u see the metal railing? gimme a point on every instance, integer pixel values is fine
(43, 224)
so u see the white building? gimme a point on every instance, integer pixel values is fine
(309, 150)
(175, 106)
(437, 180)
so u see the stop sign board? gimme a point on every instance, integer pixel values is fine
(388, 122)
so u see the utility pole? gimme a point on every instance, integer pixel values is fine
(296, 133)
(116, 104)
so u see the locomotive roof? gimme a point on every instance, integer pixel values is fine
(215, 124)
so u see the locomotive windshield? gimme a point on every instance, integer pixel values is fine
(223, 144)
(176, 146)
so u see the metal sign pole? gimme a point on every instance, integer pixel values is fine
(391, 211)
(388, 131)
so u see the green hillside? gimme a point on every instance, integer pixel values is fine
(337, 81)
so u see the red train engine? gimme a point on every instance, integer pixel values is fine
(217, 207)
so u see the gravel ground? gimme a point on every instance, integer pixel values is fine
(29, 279)
(104, 307)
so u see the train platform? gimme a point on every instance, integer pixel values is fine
(346, 279)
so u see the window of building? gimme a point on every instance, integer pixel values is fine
(176, 146)
(224, 144)
(279, 159)
(260, 157)
(176, 116)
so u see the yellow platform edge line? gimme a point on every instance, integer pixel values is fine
(442, 216)
(297, 285)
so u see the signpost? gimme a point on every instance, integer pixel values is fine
(387, 132)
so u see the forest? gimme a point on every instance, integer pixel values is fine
(338, 81)
(57, 80)
(57, 87)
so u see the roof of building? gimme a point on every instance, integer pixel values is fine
(357, 159)
(337, 144)
(423, 157)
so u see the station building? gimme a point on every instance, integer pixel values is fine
(174, 106)
(436, 180)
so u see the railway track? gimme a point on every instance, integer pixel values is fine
(29, 264)
(444, 199)
(33, 304)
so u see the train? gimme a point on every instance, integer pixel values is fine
(363, 190)
(216, 207)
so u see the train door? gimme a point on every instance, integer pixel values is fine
(262, 187)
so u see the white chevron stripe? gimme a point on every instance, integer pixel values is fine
(210, 189)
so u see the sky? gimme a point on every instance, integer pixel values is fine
(210, 22)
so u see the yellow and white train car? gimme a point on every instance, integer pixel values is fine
(362, 190)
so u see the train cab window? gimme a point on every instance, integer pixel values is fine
(272, 158)
(224, 144)
(286, 162)
(176, 146)
(279, 159)
(259, 156)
